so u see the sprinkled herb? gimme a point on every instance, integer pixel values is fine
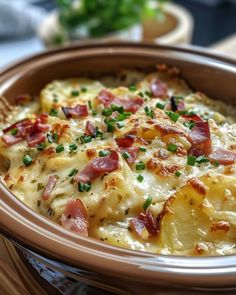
(202, 159)
(148, 93)
(142, 149)
(147, 203)
(73, 172)
(53, 113)
(173, 116)
(121, 124)
(50, 138)
(85, 139)
(75, 92)
(42, 146)
(177, 173)
(94, 112)
(107, 112)
(140, 166)
(55, 136)
(55, 99)
(73, 147)
(103, 153)
(160, 105)
(140, 178)
(125, 155)
(14, 131)
(191, 160)
(40, 186)
(27, 160)
(119, 109)
(90, 105)
(83, 88)
(141, 94)
(149, 112)
(215, 163)
(132, 88)
(189, 124)
(84, 187)
(172, 147)
(60, 148)
(98, 133)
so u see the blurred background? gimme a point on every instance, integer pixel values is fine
(30, 26)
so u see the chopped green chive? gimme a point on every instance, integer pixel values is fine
(110, 127)
(215, 163)
(103, 153)
(140, 178)
(120, 124)
(132, 88)
(202, 159)
(73, 172)
(50, 138)
(90, 105)
(177, 173)
(107, 112)
(119, 109)
(55, 136)
(140, 166)
(191, 160)
(40, 186)
(60, 148)
(27, 160)
(85, 139)
(148, 93)
(83, 88)
(142, 149)
(189, 124)
(172, 147)
(94, 112)
(125, 155)
(149, 112)
(172, 115)
(98, 133)
(75, 92)
(14, 131)
(53, 113)
(147, 203)
(84, 187)
(160, 105)
(41, 146)
(73, 147)
(141, 94)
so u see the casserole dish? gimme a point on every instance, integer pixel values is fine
(87, 259)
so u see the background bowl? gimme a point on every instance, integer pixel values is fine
(90, 260)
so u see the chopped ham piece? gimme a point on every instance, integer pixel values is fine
(194, 118)
(90, 129)
(75, 217)
(200, 138)
(35, 138)
(31, 131)
(132, 151)
(200, 133)
(224, 157)
(145, 220)
(130, 105)
(159, 89)
(98, 166)
(52, 180)
(75, 112)
(126, 141)
(11, 139)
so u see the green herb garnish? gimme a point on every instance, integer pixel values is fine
(84, 187)
(177, 173)
(149, 112)
(140, 178)
(73, 172)
(147, 203)
(27, 160)
(53, 112)
(191, 160)
(140, 166)
(172, 147)
(160, 105)
(172, 115)
(75, 92)
(142, 149)
(125, 155)
(73, 147)
(60, 148)
(132, 88)
(14, 131)
(103, 153)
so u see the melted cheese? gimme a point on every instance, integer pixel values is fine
(192, 223)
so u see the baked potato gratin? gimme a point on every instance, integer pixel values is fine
(134, 160)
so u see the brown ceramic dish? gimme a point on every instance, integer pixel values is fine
(87, 259)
